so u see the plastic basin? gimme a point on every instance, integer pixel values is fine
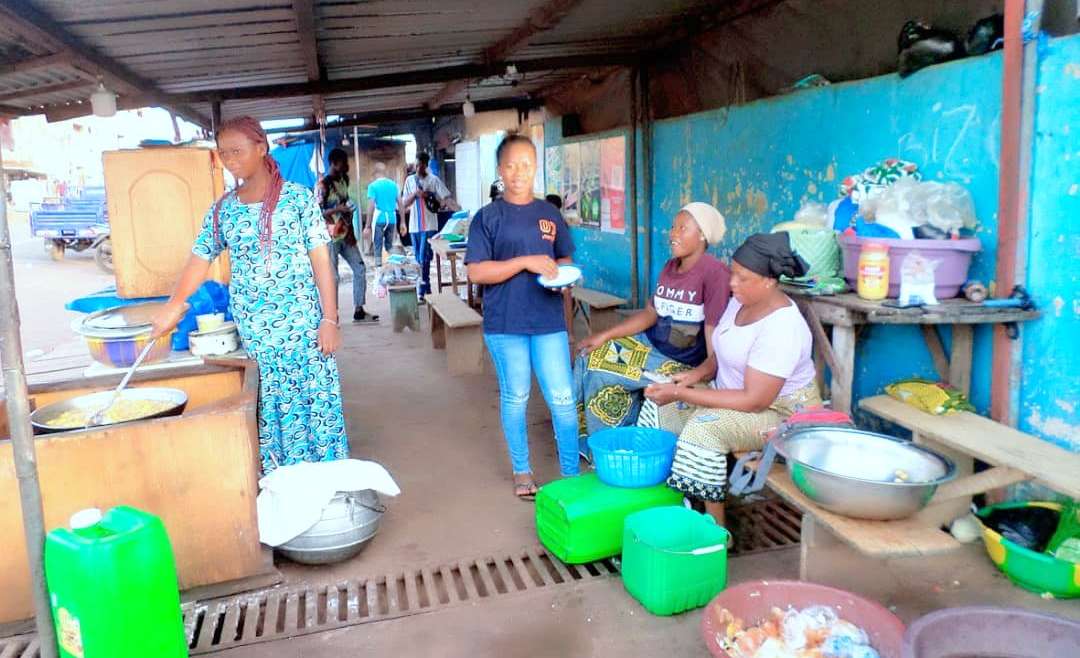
(632, 456)
(673, 559)
(122, 352)
(987, 631)
(1041, 573)
(953, 256)
(751, 601)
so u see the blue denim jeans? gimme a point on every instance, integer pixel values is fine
(382, 238)
(351, 254)
(515, 357)
(423, 253)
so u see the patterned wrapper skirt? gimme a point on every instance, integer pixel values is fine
(707, 436)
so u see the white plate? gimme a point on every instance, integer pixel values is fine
(568, 274)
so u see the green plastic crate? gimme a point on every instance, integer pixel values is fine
(673, 559)
(580, 519)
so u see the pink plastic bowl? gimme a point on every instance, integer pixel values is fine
(752, 601)
(953, 256)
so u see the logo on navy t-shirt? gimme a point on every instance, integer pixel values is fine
(548, 230)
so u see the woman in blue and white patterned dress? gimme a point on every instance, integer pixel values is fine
(282, 295)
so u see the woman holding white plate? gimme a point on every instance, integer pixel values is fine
(514, 241)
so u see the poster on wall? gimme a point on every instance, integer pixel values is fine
(571, 182)
(553, 170)
(536, 134)
(613, 185)
(589, 205)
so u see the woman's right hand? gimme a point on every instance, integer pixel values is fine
(542, 265)
(167, 318)
(688, 378)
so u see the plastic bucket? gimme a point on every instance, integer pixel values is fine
(986, 631)
(953, 261)
(752, 601)
(632, 456)
(673, 559)
(1041, 573)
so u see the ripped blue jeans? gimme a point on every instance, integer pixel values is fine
(515, 357)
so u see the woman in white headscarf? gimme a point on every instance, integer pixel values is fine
(671, 334)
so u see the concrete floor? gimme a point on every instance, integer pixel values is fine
(439, 436)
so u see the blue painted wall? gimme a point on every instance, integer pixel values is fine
(759, 162)
(1050, 371)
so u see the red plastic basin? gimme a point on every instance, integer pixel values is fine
(752, 601)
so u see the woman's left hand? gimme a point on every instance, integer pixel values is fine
(662, 394)
(329, 338)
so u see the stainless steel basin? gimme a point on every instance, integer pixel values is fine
(348, 523)
(862, 474)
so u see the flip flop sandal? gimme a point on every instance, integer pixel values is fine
(525, 492)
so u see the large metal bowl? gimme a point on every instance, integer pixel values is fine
(862, 474)
(93, 402)
(348, 523)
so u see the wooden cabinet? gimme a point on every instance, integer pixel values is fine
(157, 199)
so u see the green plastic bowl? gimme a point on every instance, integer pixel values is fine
(1041, 573)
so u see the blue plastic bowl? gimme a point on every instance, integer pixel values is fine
(632, 456)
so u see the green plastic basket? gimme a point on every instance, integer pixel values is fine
(580, 519)
(673, 559)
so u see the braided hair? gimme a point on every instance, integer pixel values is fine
(250, 128)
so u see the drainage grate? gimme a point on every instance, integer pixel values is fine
(287, 612)
(764, 525)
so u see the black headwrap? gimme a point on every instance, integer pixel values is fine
(770, 254)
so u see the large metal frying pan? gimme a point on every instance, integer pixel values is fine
(174, 401)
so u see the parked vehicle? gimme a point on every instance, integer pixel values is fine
(75, 222)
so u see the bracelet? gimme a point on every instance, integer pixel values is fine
(333, 322)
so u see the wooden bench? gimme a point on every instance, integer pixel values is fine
(963, 437)
(597, 308)
(457, 328)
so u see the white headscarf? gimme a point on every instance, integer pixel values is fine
(709, 220)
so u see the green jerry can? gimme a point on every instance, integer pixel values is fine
(580, 519)
(112, 587)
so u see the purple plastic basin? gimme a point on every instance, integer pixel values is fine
(986, 632)
(953, 256)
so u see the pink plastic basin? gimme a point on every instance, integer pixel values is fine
(986, 631)
(953, 256)
(752, 601)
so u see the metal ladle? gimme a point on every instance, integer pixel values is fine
(97, 417)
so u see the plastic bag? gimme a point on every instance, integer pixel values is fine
(813, 213)
(928, 396)
(947, 206)
(896, 207)
(917, 280)
(1068, 528)
(1030, 527)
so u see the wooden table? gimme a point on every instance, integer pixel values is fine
(442, 249)
(848, 312)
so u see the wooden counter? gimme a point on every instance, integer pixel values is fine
(197, 471)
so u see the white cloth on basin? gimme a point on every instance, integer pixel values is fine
(292, 498)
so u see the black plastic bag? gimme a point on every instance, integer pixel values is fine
(1030, 527)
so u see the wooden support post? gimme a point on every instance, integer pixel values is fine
(963, 341)
(937, 350)
(843, 345)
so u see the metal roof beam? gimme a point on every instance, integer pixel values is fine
(402, 79)
(304, 11)
(25, 19)
(540, 19)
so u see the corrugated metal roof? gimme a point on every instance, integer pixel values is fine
(214, 45)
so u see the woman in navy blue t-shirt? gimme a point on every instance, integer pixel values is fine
(511, 241)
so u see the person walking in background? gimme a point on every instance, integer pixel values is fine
(333, 195)
(382, 194)
(422, 198)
